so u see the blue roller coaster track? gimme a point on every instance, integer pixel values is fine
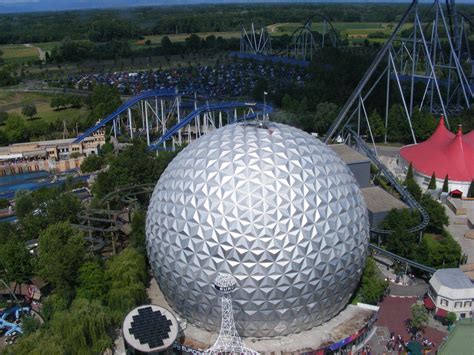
(223, 106)
(253, 110)
(123, 108)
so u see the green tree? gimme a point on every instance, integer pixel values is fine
(419, 316)
(398, 129)
(52, 304)
(57, 102)
(451, 318)
(439, 251)
(446, 184)
(104, 100)
(74, 101)
(423, 124)
(432, 184)
(4, 203)
(61, 254)
(6, 76)
(83, 328)
(193, 42)
(166, 44)
(401, 242)
(39, 342)
(131, 166)
(15, 262)
(16, 129)
(92, 284)
(28, 110)
(376, 124)
(37, 210)
(372, 285)
(413, 188)
(3, 117)
(92, 163)
(126, 276)
(137, 235)
(29, 325)
(326, 113)
(438, 217)
(290, 104)
(470, 193)
(3, 138)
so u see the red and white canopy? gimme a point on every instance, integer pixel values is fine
(444, 153)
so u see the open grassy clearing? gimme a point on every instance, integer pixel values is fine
(351, 29)
(12, 102)
(179, 38)
(46, 46)
(18, 53)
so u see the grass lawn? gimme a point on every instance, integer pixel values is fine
(12, 103)
(46, 46)
(18, 53)
(354, 30)
(156, 39)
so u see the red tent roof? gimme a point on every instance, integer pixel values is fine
(441, 313)
(469, 138)
(444, 153)
(429, 304)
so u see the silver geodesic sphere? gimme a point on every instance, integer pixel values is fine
(276, 209)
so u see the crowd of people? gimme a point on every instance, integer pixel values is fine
(398, 344)
(234, 79)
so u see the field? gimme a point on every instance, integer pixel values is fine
(12, 102)
(178, 38)
(355, 31)
(18, 53)
(351, 29)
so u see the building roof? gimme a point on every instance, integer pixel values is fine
(452, 284)
(53, 142)
(348, 155)
(444, 153)
(379, 200)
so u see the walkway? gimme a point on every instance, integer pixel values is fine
(394, 314)
(457, 231)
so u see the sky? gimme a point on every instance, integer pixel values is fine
(57, 5)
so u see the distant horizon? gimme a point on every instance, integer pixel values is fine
(27, 6)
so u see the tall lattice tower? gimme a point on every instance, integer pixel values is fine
(228, 341)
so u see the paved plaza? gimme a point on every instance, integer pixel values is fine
(394, 315)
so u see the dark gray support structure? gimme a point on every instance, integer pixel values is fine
(433, 58)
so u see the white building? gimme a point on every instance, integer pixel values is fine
(451, 291)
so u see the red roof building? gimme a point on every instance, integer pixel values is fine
(444, 153)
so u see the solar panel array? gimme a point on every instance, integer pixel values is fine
(150, 327)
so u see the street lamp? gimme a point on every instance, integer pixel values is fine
(265, 107)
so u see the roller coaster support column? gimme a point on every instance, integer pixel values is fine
(145, 104)
(357, 92)
(130, 122)
(413, 66)
(112, 233)
(178, 101)
(463, 79)
(387, 103)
